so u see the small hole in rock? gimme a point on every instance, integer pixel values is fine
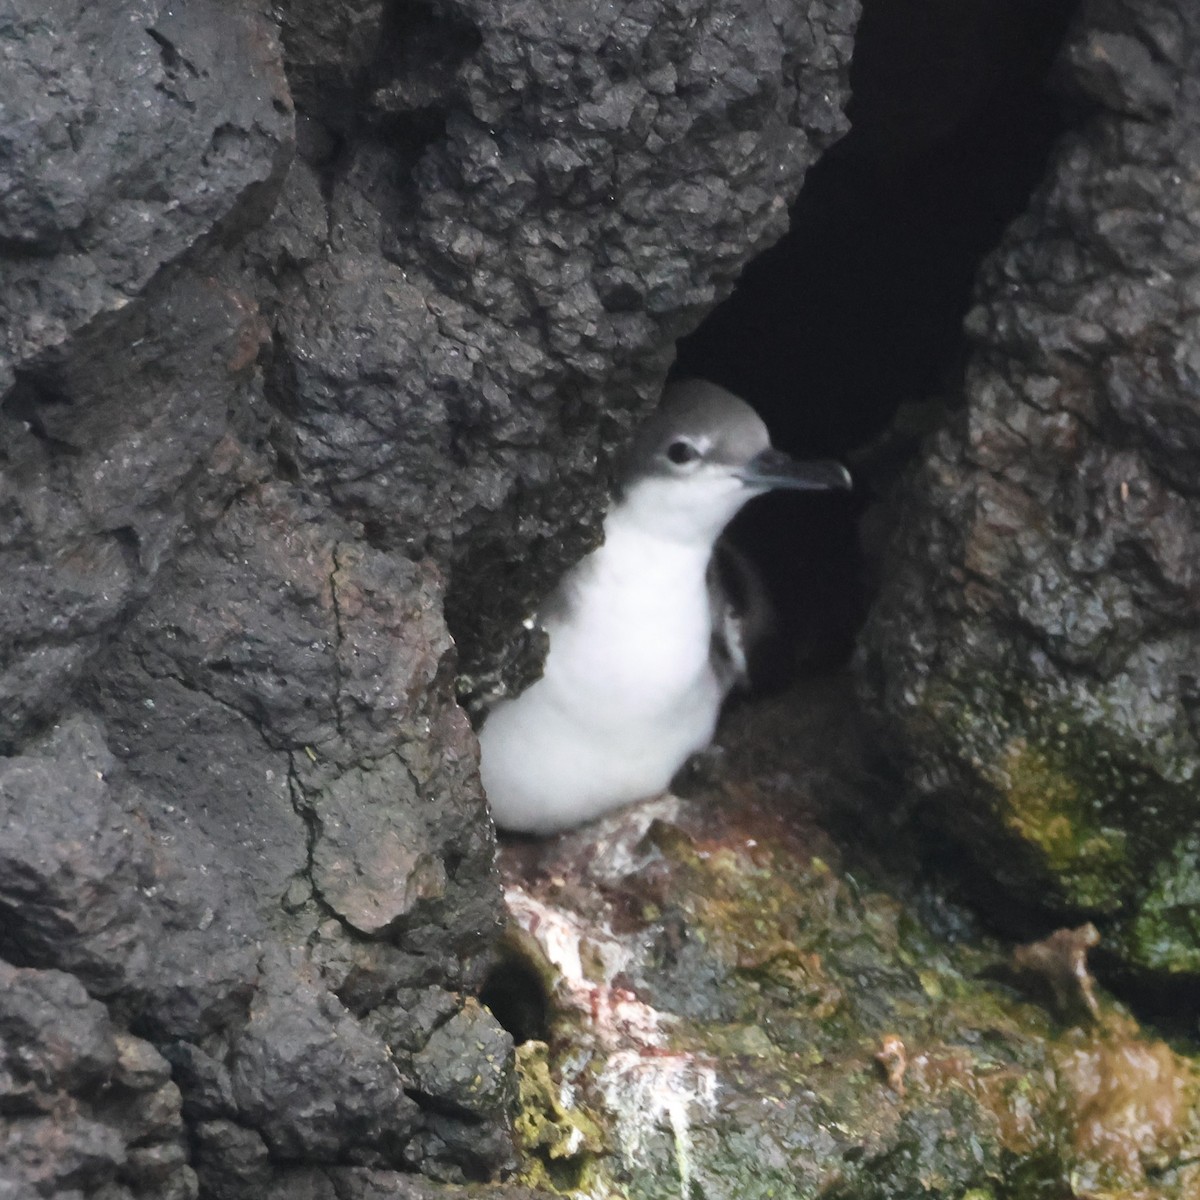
(516, 996)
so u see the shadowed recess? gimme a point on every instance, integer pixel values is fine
(859, 308)
(516, 995)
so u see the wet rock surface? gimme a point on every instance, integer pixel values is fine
(734, 1009)
(319, 325)
(1041, 696)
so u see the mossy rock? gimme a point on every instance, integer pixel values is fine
(1067, 813)
(772, 1027)
(1164, 933)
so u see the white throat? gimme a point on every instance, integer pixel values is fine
(691, 512)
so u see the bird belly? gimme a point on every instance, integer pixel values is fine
(627, 694)
(638, 640)
(548, 766)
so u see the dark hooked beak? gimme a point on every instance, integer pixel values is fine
(774, 469)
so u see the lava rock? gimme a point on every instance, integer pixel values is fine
(130, 132)
(87, 888)
(312, 1081)
(372, 866)
(468, 1064)
(270, 429)
(69, 875)
(231, 1161)
(319, 666)
(1042, 698)
(83, 1107)
(105, 465)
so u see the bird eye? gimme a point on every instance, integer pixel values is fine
(682, 452)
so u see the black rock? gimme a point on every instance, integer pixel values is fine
(83, 1106)
(271, 428)
(1042, 695)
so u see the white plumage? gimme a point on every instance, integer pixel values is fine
(633, 683)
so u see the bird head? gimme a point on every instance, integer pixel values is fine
(701, 456)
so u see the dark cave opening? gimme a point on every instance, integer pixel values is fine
(858, 311)
(859, 308)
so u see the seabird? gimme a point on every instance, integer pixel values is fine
(645, 640)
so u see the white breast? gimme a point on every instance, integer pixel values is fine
(627, 694)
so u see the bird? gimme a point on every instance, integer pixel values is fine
(646, 635)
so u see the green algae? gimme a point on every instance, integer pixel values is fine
(788, 977)
(1045, 800)
(1064, 805)
(559, 1144)
(1164, 934)
(998, 1099)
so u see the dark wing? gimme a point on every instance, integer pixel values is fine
(745, 630)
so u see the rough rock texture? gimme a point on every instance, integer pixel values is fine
(87, 1108)
(557, 191)
(316, 321)
(1042, 696)
(734, 1011)
(131, 130)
